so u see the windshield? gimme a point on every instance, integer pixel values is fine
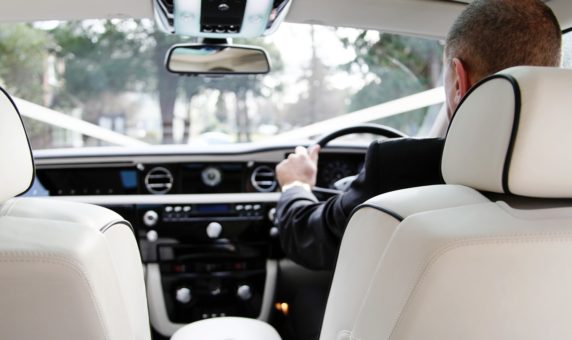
(101, 83)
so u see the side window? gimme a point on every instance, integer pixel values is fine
(567, 49)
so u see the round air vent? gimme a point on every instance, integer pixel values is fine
(159, 181)
(263, 179)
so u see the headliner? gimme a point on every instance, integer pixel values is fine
(430, 18)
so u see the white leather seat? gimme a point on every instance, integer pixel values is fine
(67, 270)
(487, 256)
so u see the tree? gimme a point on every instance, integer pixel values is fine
(191, 87)
(417, 58)
(102, 65)
(320, 101)
(110, 57)
(102, 58)
(243, 86)
(400, 66)
(24, 53)
(167, 83)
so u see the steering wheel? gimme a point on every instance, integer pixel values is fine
(374, 129)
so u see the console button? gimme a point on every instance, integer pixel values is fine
(214, 230)
(152, 236)
(183, 295)
(274, 232)
(244, 292)
(272, 214)
(150, 218)
(215, 290)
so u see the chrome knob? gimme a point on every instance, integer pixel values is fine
(152, 236)
(272, 214)
(183, 295)
(244, 292)
(214, 230)
(274, 232)
(150, 218)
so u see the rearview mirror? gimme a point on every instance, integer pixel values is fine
(217, 59)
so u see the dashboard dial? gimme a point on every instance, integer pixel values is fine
(211, 176)
(335, 170)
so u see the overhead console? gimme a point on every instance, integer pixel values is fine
(220, 18)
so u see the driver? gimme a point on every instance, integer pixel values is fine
(489, 36)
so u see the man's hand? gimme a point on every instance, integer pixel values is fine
(301, 166)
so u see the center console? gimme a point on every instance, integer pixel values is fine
(212, 258)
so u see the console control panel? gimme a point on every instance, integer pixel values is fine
(212, 257)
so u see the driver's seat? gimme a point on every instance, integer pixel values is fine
(487, 256)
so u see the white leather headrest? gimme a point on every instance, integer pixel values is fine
(17, 165)
(512, 134)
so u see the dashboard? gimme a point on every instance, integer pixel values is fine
(204, 220)
(157, 178)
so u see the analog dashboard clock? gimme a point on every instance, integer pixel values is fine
(211, 176)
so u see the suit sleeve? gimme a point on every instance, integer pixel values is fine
(311, 231)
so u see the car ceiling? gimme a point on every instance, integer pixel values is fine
(417, 17)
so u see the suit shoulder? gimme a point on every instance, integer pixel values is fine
(401, 145)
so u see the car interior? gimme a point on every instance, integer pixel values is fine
(126, 216)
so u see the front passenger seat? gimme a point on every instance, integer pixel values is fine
(487, 256)
(68, 271)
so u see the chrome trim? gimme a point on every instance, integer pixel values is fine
(154, 187)
(174, 199)
(263, 170)
(114, 223)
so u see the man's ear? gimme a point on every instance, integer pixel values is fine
(461, 78)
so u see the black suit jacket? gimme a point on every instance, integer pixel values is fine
(311, 231)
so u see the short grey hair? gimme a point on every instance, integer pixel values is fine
(492, 35)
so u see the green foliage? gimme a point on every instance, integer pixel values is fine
(100, 57)
(23, 58)
(417, 58)
(97, 62)
(400, 66)
(23, 52)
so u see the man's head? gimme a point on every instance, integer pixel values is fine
(492, 35)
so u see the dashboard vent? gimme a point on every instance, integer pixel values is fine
(263, 179)
(159, 181)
